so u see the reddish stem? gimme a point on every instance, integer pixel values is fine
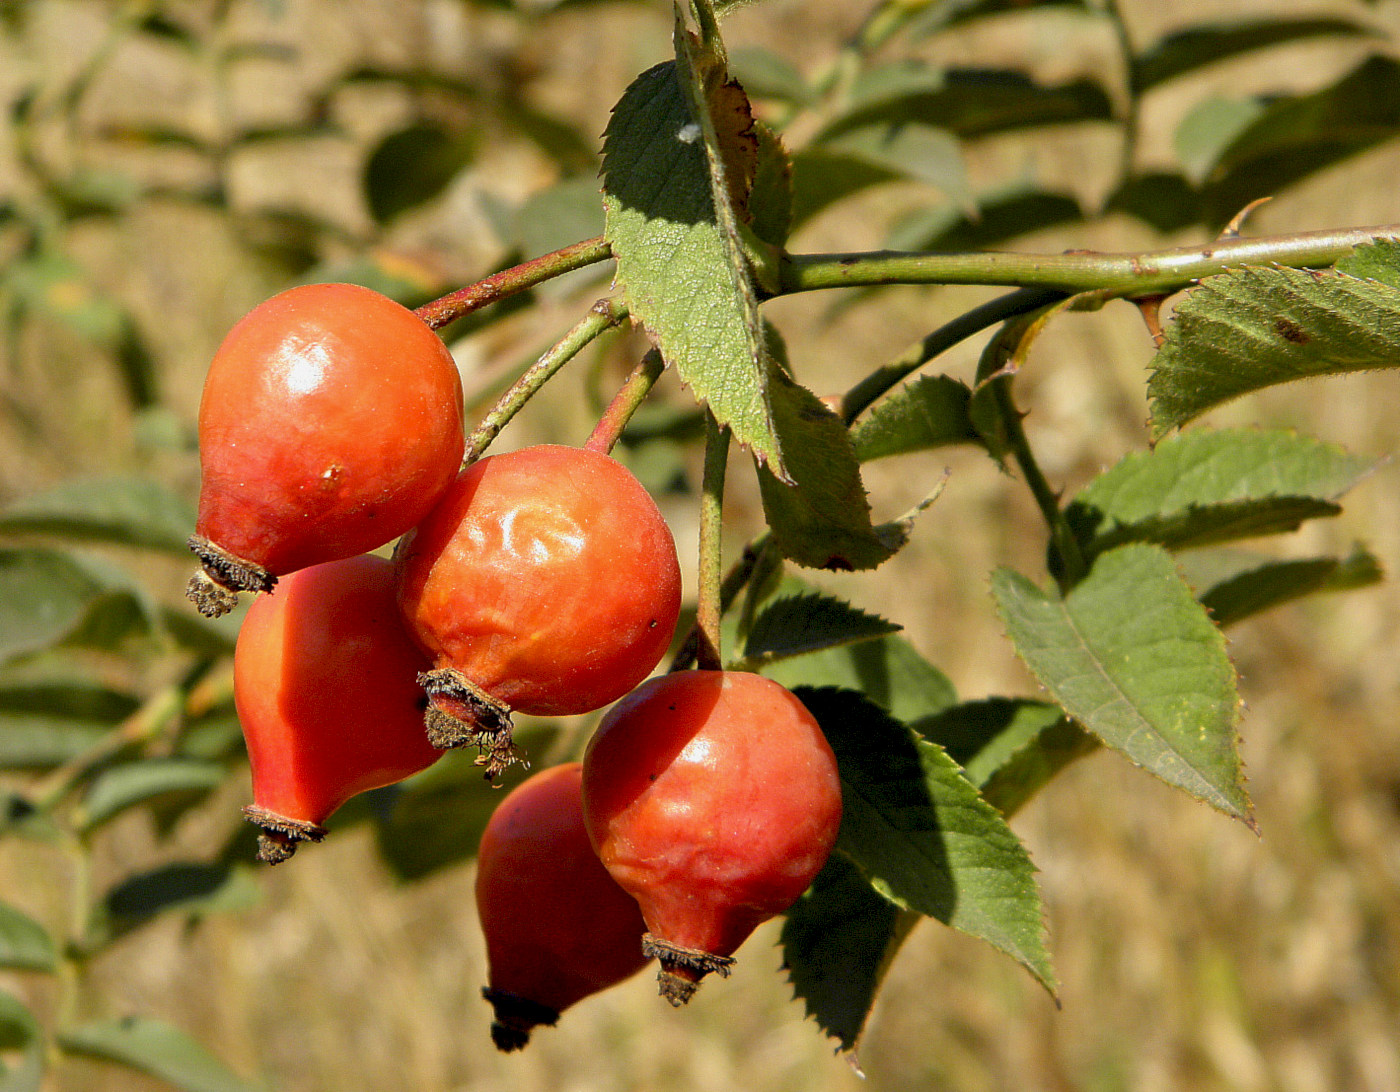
(517, 278)
(625, 403)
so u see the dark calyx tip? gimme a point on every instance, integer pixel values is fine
(461, 714)
(516, 1017)
(214, 590)
(280, 835)
(682, 967)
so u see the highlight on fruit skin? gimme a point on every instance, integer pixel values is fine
(544, 582)
(330, 423)
(557, 927)
(713, 798)
(324, 680)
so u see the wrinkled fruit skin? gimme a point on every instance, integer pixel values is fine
(324, 680)
(547, 578)
(712, 797)
(558, 928)
(331, 422)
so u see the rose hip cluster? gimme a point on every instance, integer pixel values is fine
(543, 581)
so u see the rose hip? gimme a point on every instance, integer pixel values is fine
(325, 686)
(712, 797)
(331, 422)
(545, 582)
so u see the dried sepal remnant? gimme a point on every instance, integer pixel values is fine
(280, 835)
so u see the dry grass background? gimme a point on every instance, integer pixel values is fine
(1192, 954)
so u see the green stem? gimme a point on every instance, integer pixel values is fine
(734, 582)
(1010, 343)
(860, 397)
(154, 716)
(1076, 271)
(626, 402)
(708, 656)
(507, 282)
(1132, 116)
(603, 315)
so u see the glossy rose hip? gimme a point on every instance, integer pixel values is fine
(331, 421)
(712, 797)
(544, 582)
(557, 927)
(325, 685)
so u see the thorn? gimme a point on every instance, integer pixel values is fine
(1150, 307)
(1232, 229)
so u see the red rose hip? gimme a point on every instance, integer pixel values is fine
(712, 797)
(544, 582)
(557, 927)
(324, 679)
(331, 422)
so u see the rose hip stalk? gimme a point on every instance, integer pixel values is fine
(712, 797)
(324, 681)
(331, 421)
(544, 582)
(558, 928)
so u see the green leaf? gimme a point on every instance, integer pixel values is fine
(435, 818)
(78, 699)
(25, 945)
(794, 625)
(134, 783)
(194, 888)
(562, 214)
(936, 15)
(822, 519)
(769, 75)
(771, 199)
(1298, 136)
(56, 286)
(1000, 215)
(923, 836)
(20, 1034)
(1009, 748)
(908, 150)
(887, 670)
(1204, 487)
(1132, 656)
(36, 741)
(968, 102)
(123, 511)
(1274, 583)
(931, 411)
(156, 1048)
(838, 941)
(1202, 44)
(412, 166)
(44, 596)
(1208, 129)
(676, 263)
(1167, 202)
(1255, 327)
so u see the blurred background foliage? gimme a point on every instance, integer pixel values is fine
(166, 165)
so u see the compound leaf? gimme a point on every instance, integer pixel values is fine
(156, 1048)
(923, 836)
(1255, 327)
(1133, 657)
(1196, 46)
(1274, 583)
(821, 518)
(887, 670)
(838, 940)
(25, 945)
(677, 264)
(930, 412)
(20, 1034)
(122, 511)
(1204, 487)
(793, 625)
